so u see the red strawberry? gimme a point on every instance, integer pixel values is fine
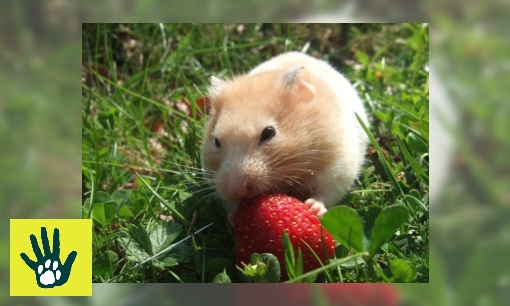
(259, 224)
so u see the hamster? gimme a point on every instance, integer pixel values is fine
(286, 126)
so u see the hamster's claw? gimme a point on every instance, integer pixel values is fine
(316, 207)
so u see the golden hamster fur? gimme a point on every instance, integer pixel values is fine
(286, 126)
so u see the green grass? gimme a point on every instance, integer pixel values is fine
(142, 129)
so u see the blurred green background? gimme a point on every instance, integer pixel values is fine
(40, 127)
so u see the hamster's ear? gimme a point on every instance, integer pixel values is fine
(298, 89)
(215, 87)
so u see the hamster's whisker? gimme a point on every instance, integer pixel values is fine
(292, 181)
(300, 155)
(166, 161)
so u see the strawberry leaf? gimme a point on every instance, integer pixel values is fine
(141, 245)
(344, 224)
(386, 224)
(138, 244)
(162, 235)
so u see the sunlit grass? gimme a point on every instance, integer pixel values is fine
(142, 129)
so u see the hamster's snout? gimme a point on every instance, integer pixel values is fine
(239, 189)
(241, 178)
(236, 188)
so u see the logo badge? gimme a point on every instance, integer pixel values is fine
(56, 266)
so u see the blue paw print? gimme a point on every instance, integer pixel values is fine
(49, 271)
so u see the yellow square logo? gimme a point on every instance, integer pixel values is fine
(51, 257)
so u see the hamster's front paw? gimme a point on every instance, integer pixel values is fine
(316, 207)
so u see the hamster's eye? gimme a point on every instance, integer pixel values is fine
(267, 134)
(217, 142)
